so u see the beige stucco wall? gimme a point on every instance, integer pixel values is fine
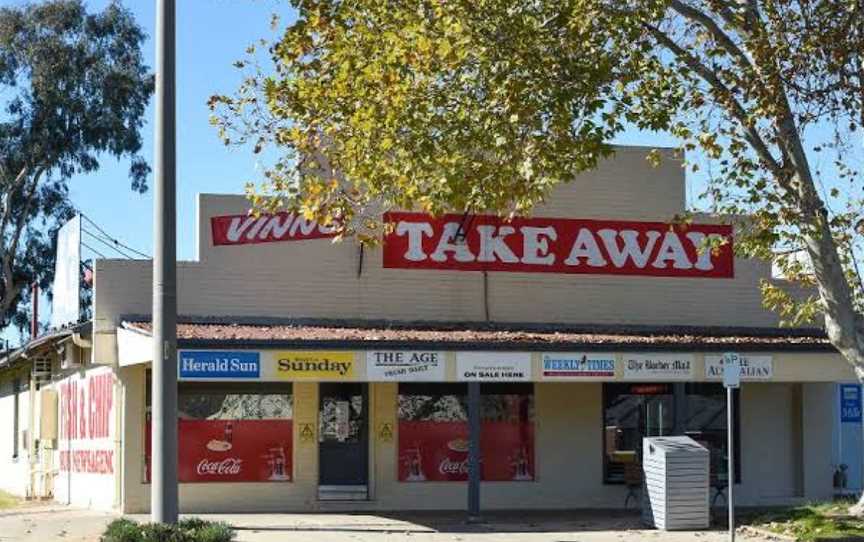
(300, 494)
(319, 279)
(15, 478)
(568, 449)
(783, 422)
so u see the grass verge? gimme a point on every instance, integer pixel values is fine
(7, 500)
(816, 522)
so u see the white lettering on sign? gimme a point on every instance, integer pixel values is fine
(405, 366)
(275, 227)
(753, 367)
(630, 249)
(669, 366)
(448, 466)
(493, 366)
(540, 244)
(217, 365)
(267, 228)
(415, 231)
(230, 466)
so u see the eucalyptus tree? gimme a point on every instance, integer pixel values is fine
(73, 87)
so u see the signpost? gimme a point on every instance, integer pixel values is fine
(731, 381)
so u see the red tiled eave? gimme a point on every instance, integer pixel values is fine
(474, 336)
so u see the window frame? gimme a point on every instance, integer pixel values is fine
(460, 389)
(208, 388)
(678, 396)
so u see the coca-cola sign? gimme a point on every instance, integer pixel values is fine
(230, 466)
(448, 467)
(438, 451)
(232, 450)
(555, 245)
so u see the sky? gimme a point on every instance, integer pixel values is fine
(211, 35)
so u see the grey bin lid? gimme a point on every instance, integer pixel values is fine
(670, 446)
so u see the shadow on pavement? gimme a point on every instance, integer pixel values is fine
(501, 522)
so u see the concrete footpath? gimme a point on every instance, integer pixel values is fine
(46, 523)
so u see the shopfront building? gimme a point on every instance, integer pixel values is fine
(325, 376)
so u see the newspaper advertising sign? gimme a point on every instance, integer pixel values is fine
(493, 366)
(752, 367)
(404, 366)
(659, 367)
(578, 366)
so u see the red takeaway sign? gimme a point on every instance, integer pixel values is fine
(556, 245)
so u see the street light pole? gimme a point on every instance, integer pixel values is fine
(163, 497)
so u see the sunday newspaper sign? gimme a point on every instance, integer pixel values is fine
(557, 245)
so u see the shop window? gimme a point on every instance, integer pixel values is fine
(233, 433)
(705, 422)
(634, 411)
(433, 432)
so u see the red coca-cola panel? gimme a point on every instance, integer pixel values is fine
(557, 245)
(438, 451)
(232, 450)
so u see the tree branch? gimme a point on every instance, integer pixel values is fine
(11, 287)
(734, 108)
(693, 14)
(7, 203)
(28, 203)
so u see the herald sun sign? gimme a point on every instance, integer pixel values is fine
(554, 245)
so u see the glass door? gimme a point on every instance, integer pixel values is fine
(343, 439)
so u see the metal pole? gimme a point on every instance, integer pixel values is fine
(473, 451)
(730, 443)
(163, 500)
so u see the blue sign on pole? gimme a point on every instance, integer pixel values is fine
(850, 403)
(218, 364)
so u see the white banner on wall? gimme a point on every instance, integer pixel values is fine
(752, 367)
(660, 366)
(405, 366)
(493, 366)
(66, 303)
(578, 366)
(86, 444)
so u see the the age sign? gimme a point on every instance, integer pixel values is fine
(556, 245)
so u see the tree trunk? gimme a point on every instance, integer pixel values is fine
(843, 325)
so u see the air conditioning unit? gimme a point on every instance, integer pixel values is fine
(42, 369)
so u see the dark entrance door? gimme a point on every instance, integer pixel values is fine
(343, 433)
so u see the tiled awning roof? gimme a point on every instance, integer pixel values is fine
(265, 333)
